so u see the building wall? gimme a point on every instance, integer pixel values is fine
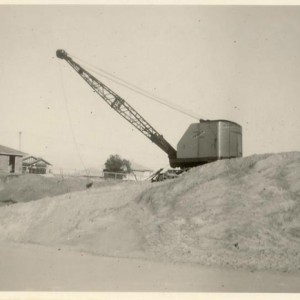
(36, 168)
(4, 161)
(4, 164)
(18, 167)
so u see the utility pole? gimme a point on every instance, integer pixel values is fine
(20, 140)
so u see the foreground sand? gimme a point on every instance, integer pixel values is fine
(27, 267)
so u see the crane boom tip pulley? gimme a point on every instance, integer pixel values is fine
(62, 54)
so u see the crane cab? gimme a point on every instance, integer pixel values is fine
(208, 141)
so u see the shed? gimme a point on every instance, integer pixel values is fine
(10, 160)
(35, 165)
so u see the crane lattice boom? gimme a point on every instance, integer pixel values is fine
(120, 106)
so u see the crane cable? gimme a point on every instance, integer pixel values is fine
(136, 89)
(71, 127)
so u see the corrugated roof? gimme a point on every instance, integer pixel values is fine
(11, 151)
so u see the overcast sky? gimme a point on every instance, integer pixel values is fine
(240, 63)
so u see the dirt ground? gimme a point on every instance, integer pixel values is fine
(230, 226)
(39, 268)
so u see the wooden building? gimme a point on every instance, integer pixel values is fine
(10, 160)
(36, 165)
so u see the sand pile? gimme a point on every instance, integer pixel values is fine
(86, 220)
(240, 213)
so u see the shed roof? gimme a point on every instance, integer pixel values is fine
(29, 157)
(10, 151)
(38, 160)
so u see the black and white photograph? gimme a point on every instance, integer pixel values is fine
(149, 148)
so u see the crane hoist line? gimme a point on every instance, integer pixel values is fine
(203, 142)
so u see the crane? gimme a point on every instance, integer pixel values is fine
(202, 142)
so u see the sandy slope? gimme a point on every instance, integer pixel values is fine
(240, 213)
